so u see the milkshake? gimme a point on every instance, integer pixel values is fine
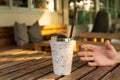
(62, 55)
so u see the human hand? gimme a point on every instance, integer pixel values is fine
(99, 55)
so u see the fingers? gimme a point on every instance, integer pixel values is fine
(92, 64)
(88, 46)
(89, 59)
(85, 53)
(108, 45)
(86, 58)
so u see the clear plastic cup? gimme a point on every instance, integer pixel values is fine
(62, 55)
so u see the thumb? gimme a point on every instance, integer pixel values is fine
(108, 45)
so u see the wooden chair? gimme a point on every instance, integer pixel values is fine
(99, 39)
(7, 37)
(50, 29)
(102, 22)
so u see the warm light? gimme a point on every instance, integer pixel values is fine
(85, 49)
(45, 19)
(80, 3)
(76, 47)
(85, 4)
(85, 54)
(72, 5)
(50, 5)
(94, 39)
(102, 40)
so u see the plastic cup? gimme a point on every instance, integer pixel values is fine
(62, 55)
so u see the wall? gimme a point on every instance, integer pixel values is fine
(45, 17)
(8, 16)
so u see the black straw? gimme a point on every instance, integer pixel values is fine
(73, 20)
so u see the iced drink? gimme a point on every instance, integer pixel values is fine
(62, 55)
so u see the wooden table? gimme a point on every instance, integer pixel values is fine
(31, 65)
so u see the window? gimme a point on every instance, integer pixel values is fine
(113, 7)
(44, 4)
(85, 12)
(29, 4)
(20, 3)
(86, 9)
(38, 4)
(4, 2)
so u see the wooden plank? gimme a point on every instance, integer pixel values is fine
(6, 29)
(23, 55)
(116, 45)
(10, 51)
(13, 55)
(43, 43)
(25, 69)
(16, 55)
(100, 35)
(98, 73)
(6, 35)
(6, 42)
(113, 75)
(54, 28)
(53, 76)
(35, 74)
(21, 66)
(87, 38)
(38, 46)
(78, 73)
(11, 64)
(47, 32)
(8, 47)
(40, 73)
